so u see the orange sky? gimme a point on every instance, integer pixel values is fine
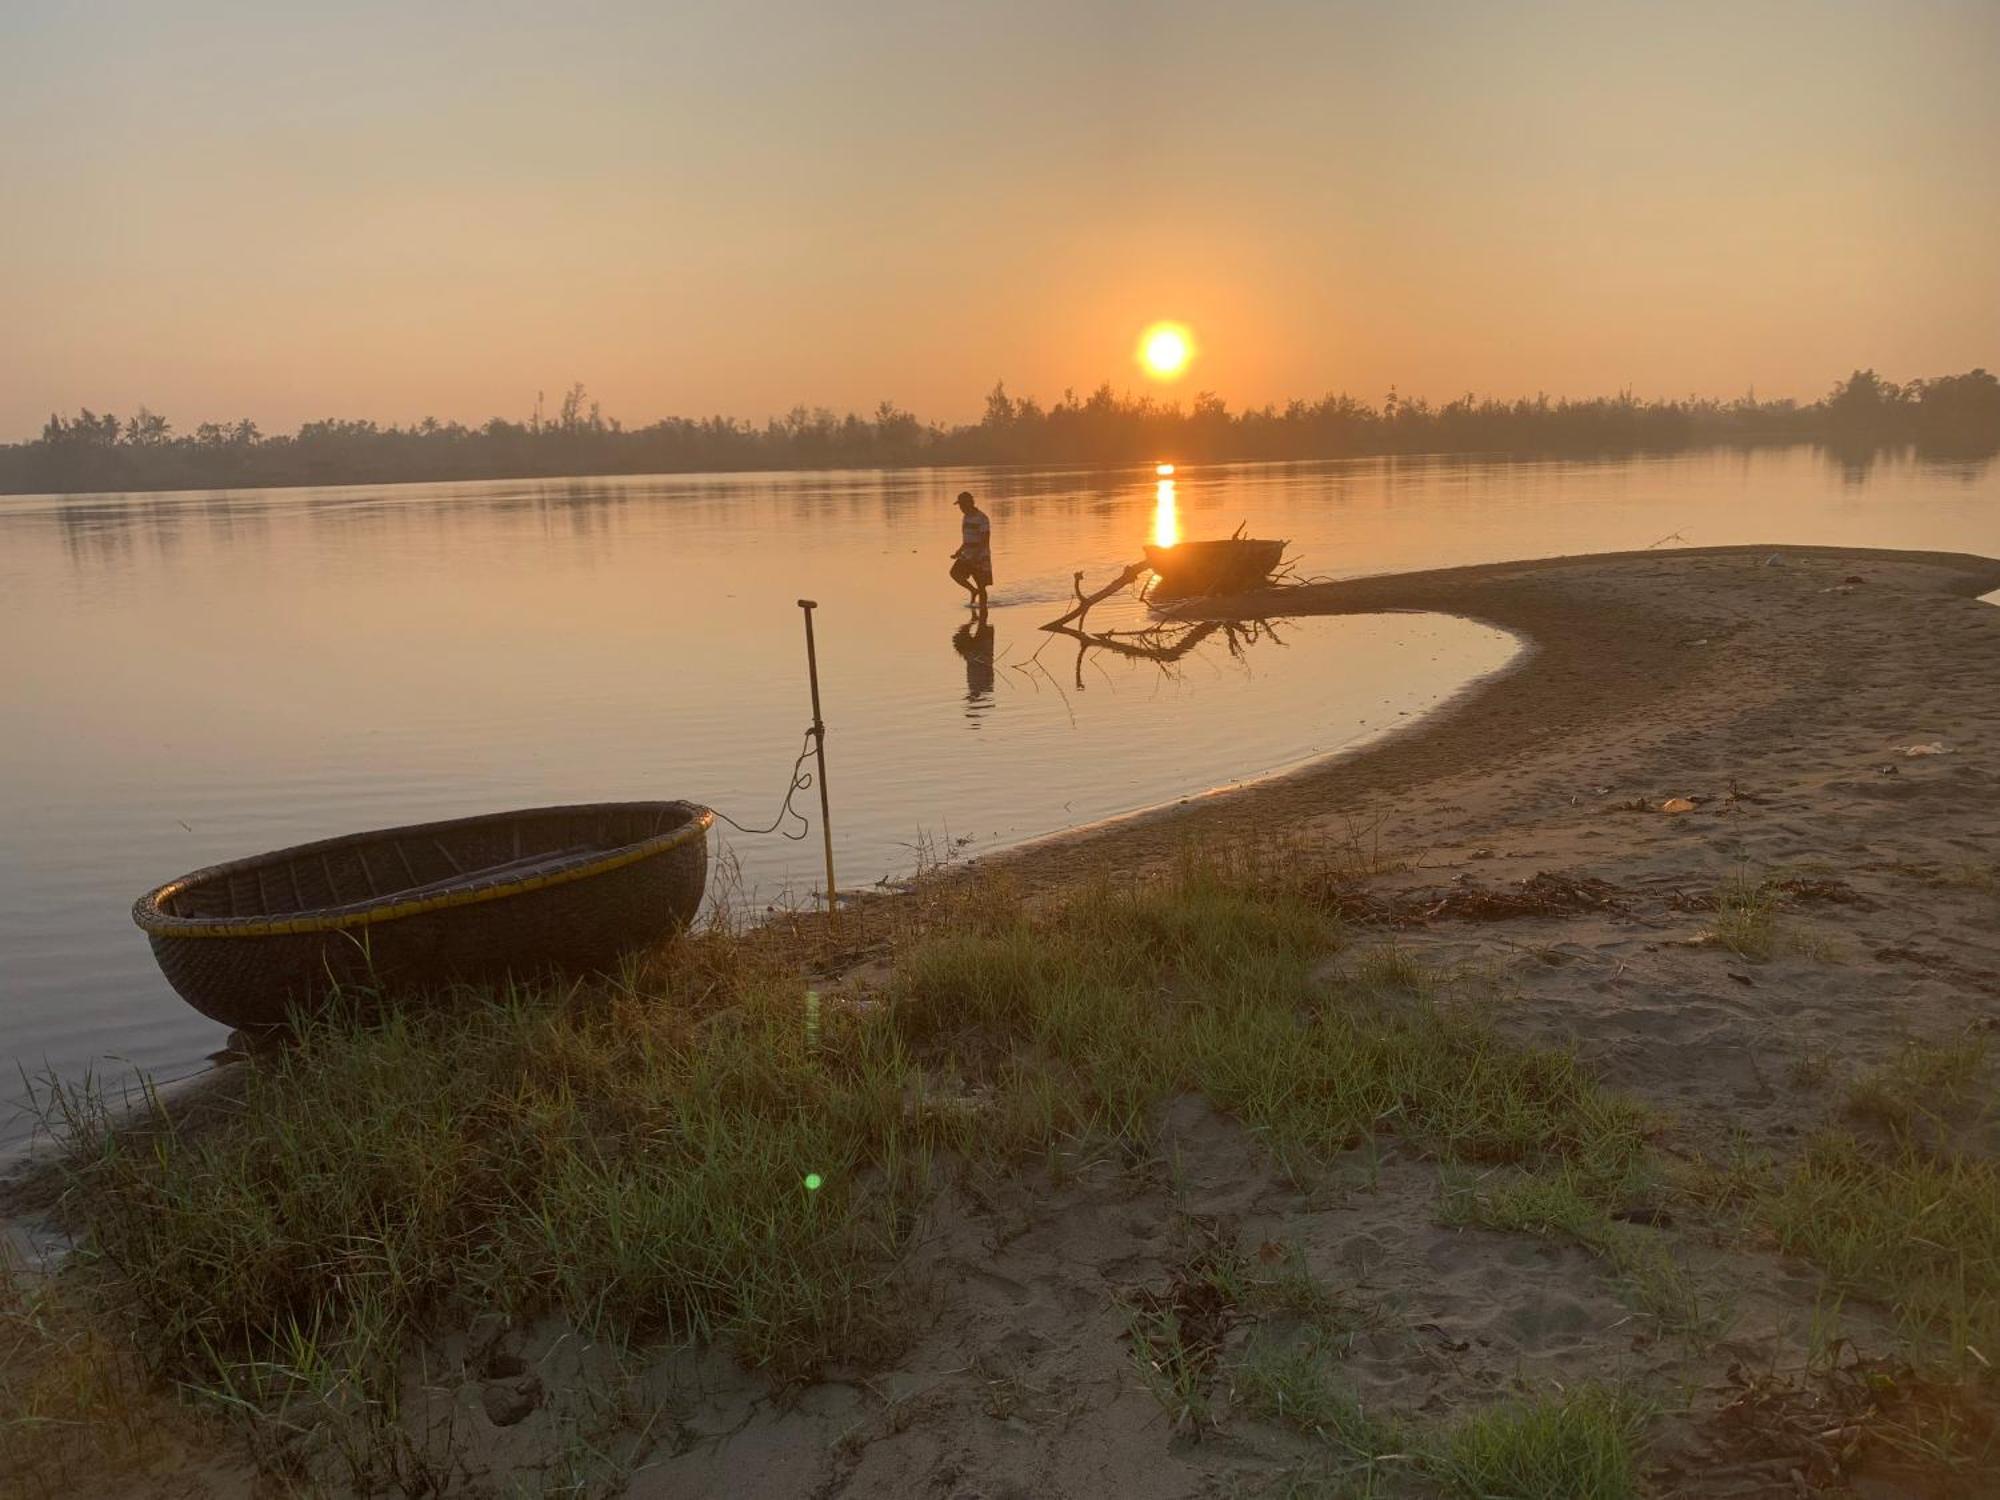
(225, 209)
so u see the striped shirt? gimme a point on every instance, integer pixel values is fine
(976, 538)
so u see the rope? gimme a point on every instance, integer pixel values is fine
(802, 779)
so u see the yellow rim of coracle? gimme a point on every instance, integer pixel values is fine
(155, 922)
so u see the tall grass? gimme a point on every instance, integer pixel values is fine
(679, 1157)
(578, 1151)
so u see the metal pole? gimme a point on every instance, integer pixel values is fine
(819, 749)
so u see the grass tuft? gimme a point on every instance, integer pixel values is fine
(1291, 1382)
(1926, 1084)
(1569, 1205)
(1582, 1446)
(1918, 1231)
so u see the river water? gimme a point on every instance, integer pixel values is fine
(192, 677)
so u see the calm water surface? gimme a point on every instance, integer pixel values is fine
(193, 677)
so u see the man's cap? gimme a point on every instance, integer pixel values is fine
(965, 497)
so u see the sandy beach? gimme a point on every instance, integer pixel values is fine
(1815, 730)
(1780, 691)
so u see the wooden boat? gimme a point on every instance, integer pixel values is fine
(470, 900)
(1217, 567)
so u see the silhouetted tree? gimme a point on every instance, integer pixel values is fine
(147, 429)
(1953, 413)
(1959, 413)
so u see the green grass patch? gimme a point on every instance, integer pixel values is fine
(1916, 1230)
(1583, 1445)
(1132, 997)
(1293, 1382)
(1968, 875)
(1580, 1444)
(1746, 918)
(681, 1157)
(1749, 922)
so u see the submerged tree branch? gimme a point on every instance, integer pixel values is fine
(1085, 601)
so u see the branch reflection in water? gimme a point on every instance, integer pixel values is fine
(1169, 641)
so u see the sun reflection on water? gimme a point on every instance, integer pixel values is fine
(1166, 515)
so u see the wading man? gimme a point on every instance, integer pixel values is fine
(972, 563)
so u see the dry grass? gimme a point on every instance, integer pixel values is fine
(1936, 1087)
(77, 1408)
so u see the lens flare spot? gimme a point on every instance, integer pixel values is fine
(813, 1181)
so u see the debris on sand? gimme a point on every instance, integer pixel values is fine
(1543, 894)
(1814, 1433)
(1813, 891)
(1793, 891)
(1177, 1335)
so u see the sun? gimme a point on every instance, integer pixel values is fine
(1165, 350)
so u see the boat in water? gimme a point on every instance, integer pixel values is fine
(470, 901)
(1216, 567)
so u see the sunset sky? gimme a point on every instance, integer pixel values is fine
(384, 211)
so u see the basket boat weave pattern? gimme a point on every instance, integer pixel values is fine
(470, 900)
(1188, 568)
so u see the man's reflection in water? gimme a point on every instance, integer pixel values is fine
(974, 641)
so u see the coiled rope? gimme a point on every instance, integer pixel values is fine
(802, 780)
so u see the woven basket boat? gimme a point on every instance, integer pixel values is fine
(470, 900)
(1213, 567)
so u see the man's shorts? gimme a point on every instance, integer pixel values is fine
(964, 570)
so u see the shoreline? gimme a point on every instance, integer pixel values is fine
(1531, 601)
(1172, 807)
(1606, 638)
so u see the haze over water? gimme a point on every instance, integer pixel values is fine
(217, 674)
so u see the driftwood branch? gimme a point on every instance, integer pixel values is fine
(1085, 601)
(1165, 642)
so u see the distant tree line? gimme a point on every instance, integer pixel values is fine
(1952, 414)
